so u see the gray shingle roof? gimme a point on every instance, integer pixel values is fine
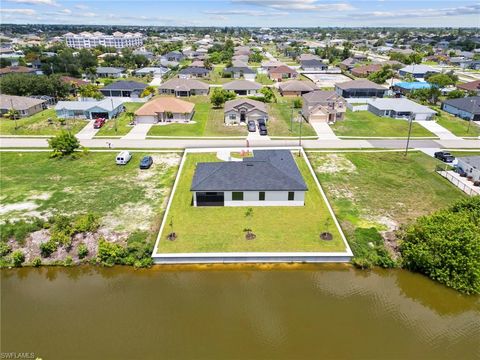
(194, 71)
(109, 70)
(359, 84)
(184, 84)
(242, 85)
(470, 104)
(18, 102)
(254, 104)
(268, 170)
(125, 85)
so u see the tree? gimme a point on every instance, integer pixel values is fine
(446, 246)
(248, 229)
(456, 94)
(149, 90)
(440, 80)
(63, 144)
(219, 96)
(268, 94)
(90, 91)
(12, 114)
(255, 57)
(379, 77)
(29, 84)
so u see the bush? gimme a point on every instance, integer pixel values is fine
(82, 251)
(297, 103)
(19, 230)
(18, 258)
(369, 249)
(4, 248)
(61, 238)
(63, 144)
(139, 249)
(109, 253)
(48, 248)
(68, 261)
(446, 245)
(86, 223)
(37, 262)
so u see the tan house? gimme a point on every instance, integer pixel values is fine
(242, 110)
(165, 110)
(296, 88)
(365, 70)
(243, 87)
(183, 87)
(323, 106)
(25, 106)
(282, 72)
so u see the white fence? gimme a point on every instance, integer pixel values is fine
(357, 104)
(463, 184)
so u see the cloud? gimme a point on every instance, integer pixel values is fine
(81, 6)
(421, 13)
(35, 2)
(245, 12)
(25, 12)
(298, 5)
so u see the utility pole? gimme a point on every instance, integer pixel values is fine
(14, 113)
(410, 121)
(115, 118)
(300, 137)
(291, 118)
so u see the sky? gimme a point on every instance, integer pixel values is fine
(257, 13)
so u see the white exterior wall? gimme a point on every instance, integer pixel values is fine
(272, 198)
(253, 115)
(469, 169)
(250, 77)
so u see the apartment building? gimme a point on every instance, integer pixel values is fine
(118, 40)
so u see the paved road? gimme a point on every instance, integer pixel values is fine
(202, 143)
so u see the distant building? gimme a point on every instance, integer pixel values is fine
(110, 72)
(131, 89)
(360, 89)
(16, 70)
(365, 70)
(25, 106)
(417, 71)
(184, 87)
(243, 87)
(473, 86)
(119, 40)
(467, 108)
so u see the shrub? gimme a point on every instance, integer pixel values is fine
(47, 248)
(109, 253)
(297, 103)
(19, 230)
(82, 251)
(86, 223)
(37, 262)
(139, 249)
(369, 249)
(61, 238)
(68, 261)
(18, 258)
(446, 245)
(63, 144)
(4, 248)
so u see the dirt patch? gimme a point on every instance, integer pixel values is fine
(129, 217)
(338, 192)
(23, 206)
(335, 163)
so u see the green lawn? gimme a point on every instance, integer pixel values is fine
(216, 76)
(121, 122)
(456, 125)
(38, 125)
(209, 122)
(364, 123)
(374, 189)
(263, 79)
(126, 197)
(279, 122)
(220, 229)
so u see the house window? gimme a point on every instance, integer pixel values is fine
(261, 196)
(233, 116)
(291, 195)
(237, 195)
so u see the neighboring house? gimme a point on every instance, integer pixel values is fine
(348, 63)
(197, 63)
(282, 72)
(296, 88)
(304, 57)
(313, 65)
(106, 108)
(407, 87)
(242, 58)
(242, 110)
(365, 70)
(359, 89)
(110, 72)
(193, 73)
(417, 71)
(131, 89)
(473, 86)
(243, 87)
(269, 178)
(16, 70)
(237, 72)
(73, 81)
(155, 71)
(467, 108)
(184, 87)
(323, 106)
(165, 110)
(471, 165)
(176, 56)
(400, 108)
(25, 106)
(268, 65)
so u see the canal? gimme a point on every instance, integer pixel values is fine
(215, 312)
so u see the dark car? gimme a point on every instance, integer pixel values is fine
(146, 162)
(262, 129)
(261, 122)
(99, 123)
(444, 156)
(251, 126)
(460, 172)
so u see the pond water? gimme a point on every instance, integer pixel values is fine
(215, 312)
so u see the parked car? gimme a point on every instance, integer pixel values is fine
(262, 129)
(123, 158)
(251, 126)
(146, 162)
(261, 122)
(99, 123)
(460, 172)
(444, 156)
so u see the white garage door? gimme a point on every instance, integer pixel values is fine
(145, 119)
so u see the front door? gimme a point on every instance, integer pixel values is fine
(242, 116)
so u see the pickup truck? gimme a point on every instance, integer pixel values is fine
(444, 156)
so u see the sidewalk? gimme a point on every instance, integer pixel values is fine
(437, 129)
(88, 132)
(138, 132)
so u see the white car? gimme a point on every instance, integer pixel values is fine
(123, 158)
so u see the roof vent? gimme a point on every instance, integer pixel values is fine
(249, 164)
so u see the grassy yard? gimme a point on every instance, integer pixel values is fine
(220, 229)
(216, 76)
(364, 123)
(38, 125)
(456, 125)
(279, 123)
(122, 122)
(263, 79)
(209, 122)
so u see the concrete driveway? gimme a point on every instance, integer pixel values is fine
(88, 132)
(323, 130)
(437, 129)
(138, 132)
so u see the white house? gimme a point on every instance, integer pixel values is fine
(471, 165)
(243, 87)
(107, 108)
(242, 110)
(269, 178)
(400, 108)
